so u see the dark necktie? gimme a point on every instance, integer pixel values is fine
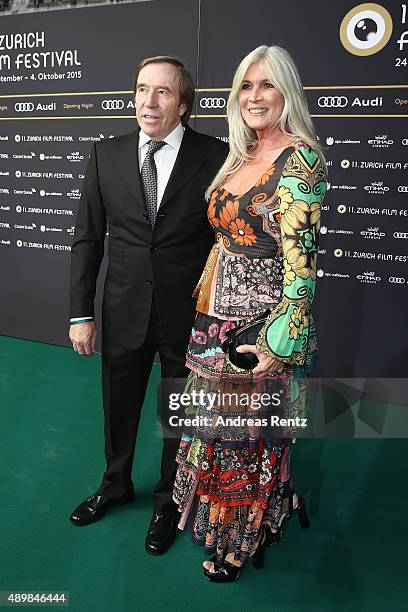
(149, 179)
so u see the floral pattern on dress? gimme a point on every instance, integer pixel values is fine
(301, 188)
(264, 256)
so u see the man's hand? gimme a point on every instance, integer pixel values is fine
(266, 364)
(83, 338)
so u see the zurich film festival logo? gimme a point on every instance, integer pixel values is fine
(366, 29)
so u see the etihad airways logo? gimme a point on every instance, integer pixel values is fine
(372, 233)
(75, 156)
(380, 141)
(376, 188)
(368, 278)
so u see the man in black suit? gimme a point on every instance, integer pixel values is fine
(147, 188)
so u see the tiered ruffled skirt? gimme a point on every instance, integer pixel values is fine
(229, 481)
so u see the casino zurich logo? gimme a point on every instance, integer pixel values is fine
(332, 101)
(112, 104)
(212, 102)
(366, 29)
(23, 107)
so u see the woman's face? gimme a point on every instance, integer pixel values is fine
(261, 104)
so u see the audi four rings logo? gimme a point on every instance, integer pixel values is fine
(332, 101)
(400, 235)
(403, 188)
(112, 104)
(212, 102)
(397, 280)
(23, 107)
(405, 141)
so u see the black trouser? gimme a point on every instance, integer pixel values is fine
(125, 375)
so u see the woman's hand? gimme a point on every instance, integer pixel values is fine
(266, 364)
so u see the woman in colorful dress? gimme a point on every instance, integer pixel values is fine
(236, 492)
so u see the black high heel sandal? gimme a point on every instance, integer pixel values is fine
(258, 557)
(228, 572)
(223, 572)
(274, 538)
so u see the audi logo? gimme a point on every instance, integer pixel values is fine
(332, 101)
(400, 235)
(212, 102)
(23, 107)
(405, 141)
(397, 280)
(403, 188)
(112, 104)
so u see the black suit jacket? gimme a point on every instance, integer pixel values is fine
(167, 260)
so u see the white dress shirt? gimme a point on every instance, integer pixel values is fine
(164, 158)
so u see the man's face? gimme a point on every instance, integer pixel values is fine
(158, 107)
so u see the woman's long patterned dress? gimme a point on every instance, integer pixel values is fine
(264, 257)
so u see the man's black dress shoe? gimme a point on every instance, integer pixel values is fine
(162, 531)
(96, 506)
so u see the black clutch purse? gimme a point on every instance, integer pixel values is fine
(247, 334)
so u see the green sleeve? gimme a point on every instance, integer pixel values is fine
(300, 193)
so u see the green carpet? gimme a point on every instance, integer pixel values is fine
(51, 437)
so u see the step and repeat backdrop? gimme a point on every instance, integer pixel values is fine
(65, 82)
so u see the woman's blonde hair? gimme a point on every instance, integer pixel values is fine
(295, 118)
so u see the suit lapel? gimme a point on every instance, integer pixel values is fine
(189, 159)
(127, 161)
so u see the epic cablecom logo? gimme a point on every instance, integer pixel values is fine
(366, 29)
